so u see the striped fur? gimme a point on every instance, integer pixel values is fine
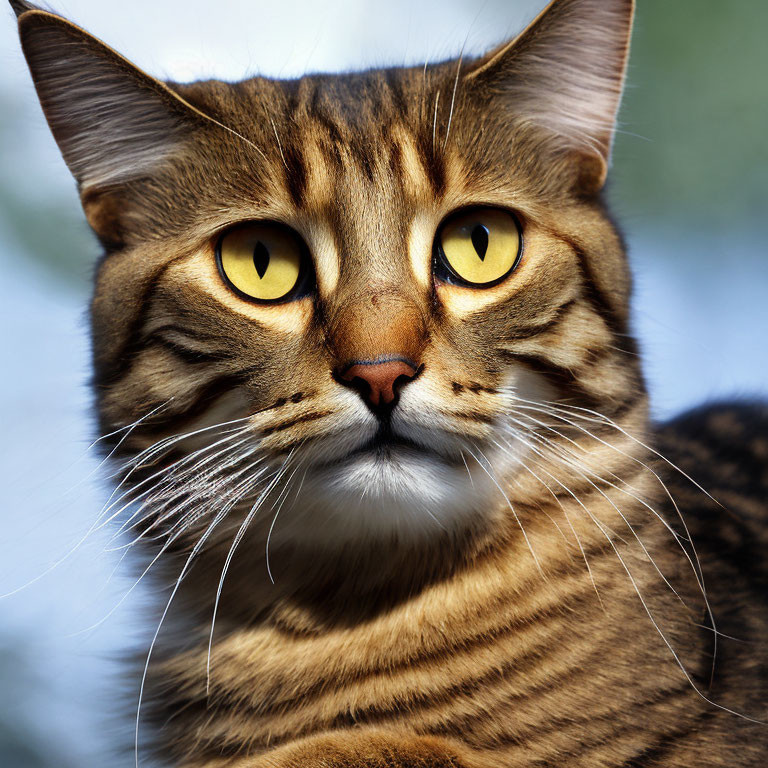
(515, 586)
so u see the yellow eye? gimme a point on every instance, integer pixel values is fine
(262, 260)
(479, 247)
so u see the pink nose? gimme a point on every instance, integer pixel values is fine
(379, 382)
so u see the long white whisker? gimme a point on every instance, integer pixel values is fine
(169, 476)
(193, 554)
(241, 531)
(172, 537)
(509, 504)
(279, 503)
(555, 411)
(128, 429)
(434, 122)
(573, 530)
(177, 483)
(610, 501)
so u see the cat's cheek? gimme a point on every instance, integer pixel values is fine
(520, 383)
(460, 302)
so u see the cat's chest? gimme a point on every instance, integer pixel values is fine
(440, 662)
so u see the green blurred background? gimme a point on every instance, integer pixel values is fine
(689, 185)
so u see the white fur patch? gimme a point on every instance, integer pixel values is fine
(443, 484)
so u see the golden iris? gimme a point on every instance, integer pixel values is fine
(261, 260)
(480, 246)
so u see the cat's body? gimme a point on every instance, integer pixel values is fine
(409, 471)
(496, 666)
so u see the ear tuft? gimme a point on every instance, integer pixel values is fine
(22, 6)
(565, 74)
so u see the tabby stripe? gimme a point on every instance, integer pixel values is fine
(190, 334)
(477, 416)
(584, 485)
(294, 422)
(655, 754)
(335, 135)
(434, 167)
(295, 173)
(125, 356)
(545, 617)
(568, 381)
(433, 703)
(187, 354)
(600, 304)
(586, 749)
(224, 384)
(396, 160)
(418, 704)
(209, 392)
(505, 672)
(559, 725)
(398, 99)
(531, 331)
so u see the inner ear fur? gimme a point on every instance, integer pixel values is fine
(564, 76)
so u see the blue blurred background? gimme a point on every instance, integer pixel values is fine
(689, 185)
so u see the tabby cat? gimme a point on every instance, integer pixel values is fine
(363, 364)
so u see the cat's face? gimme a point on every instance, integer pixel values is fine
(358, 276)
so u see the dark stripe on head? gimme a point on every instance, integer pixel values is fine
(122, 360)
(295, 174)
(434, 167)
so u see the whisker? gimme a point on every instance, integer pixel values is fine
(128, 429)
(604, 419)
(605, 530)
(551, 409)
(178, 486)
(677, 659)
(280, 501)
(168, 476)
(235, 543)
(205, 494)
(193, 554)
(492, 476)
(171, 539)
(573, 530)
(434, 122)
(581, 471)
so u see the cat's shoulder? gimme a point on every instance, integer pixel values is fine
(723, 447)
(731, 438)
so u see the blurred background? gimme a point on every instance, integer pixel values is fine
(689, 186)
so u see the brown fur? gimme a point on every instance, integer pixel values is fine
(546, 629)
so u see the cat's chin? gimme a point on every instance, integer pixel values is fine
(397, 493)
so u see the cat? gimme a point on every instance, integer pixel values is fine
(362, 359)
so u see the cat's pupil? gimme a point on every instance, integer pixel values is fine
(480, 240)
(260, 258)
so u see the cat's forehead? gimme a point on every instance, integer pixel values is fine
(340, 141)
(359, 155)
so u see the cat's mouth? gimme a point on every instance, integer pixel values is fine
(384, 445)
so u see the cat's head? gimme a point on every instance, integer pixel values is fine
(344, 289)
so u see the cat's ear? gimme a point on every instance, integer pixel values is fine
(111, 120)
(22, 6)
(565, 75)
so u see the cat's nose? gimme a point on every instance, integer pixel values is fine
(378, 381)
